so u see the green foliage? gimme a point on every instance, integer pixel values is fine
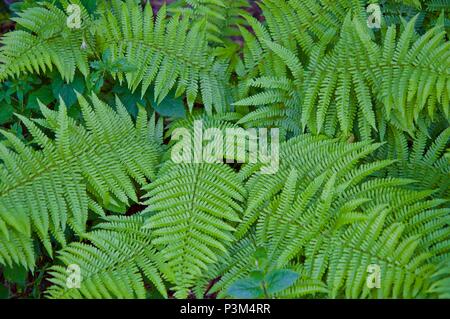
(354, 84)
(165, 53)
(43, 41)
(88, 177)
(262, 282)
(222, 16)
(119, 258)
(423, 162)
(323, 213)
(192, 208)
(21, 96)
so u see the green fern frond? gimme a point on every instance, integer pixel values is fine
(308, 154)
(325, 211)
(399, 82)
(438, 5)
(192, 211)
(168, 53)
(15, 248)
(394, 74)
(423, 162)
(441, 281)
(43, 41)
(222, 16)
(113, 261)
(84, 167)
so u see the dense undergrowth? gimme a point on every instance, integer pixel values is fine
(89, 185)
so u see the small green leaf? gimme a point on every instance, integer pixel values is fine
(261, 257)
(246, 288)
(17, 275)
(67, 90)
(279, 280)
(122, 65)
(257, 275)
(129, 100)
(261, 253)
(114, 205)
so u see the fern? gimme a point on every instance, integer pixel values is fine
(119, 256)
(325, 213)
(222, 16)
(424, 162)
(441, 281)
(43, 41)
(166, 53)
(359, 82)
(189, 220)
(363, 177)
(192, 210)
(83, 168)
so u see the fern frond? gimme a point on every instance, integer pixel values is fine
(423, 162)
(192, 210)
(44, 190)
(441, 281)
(399, 82)
(325, 211)
(222, 16)
(167, 53)
(114, 261)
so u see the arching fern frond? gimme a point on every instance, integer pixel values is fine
(168, 53)
(423, 162)
(308, 154)
(84, 167)
(360, 83)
